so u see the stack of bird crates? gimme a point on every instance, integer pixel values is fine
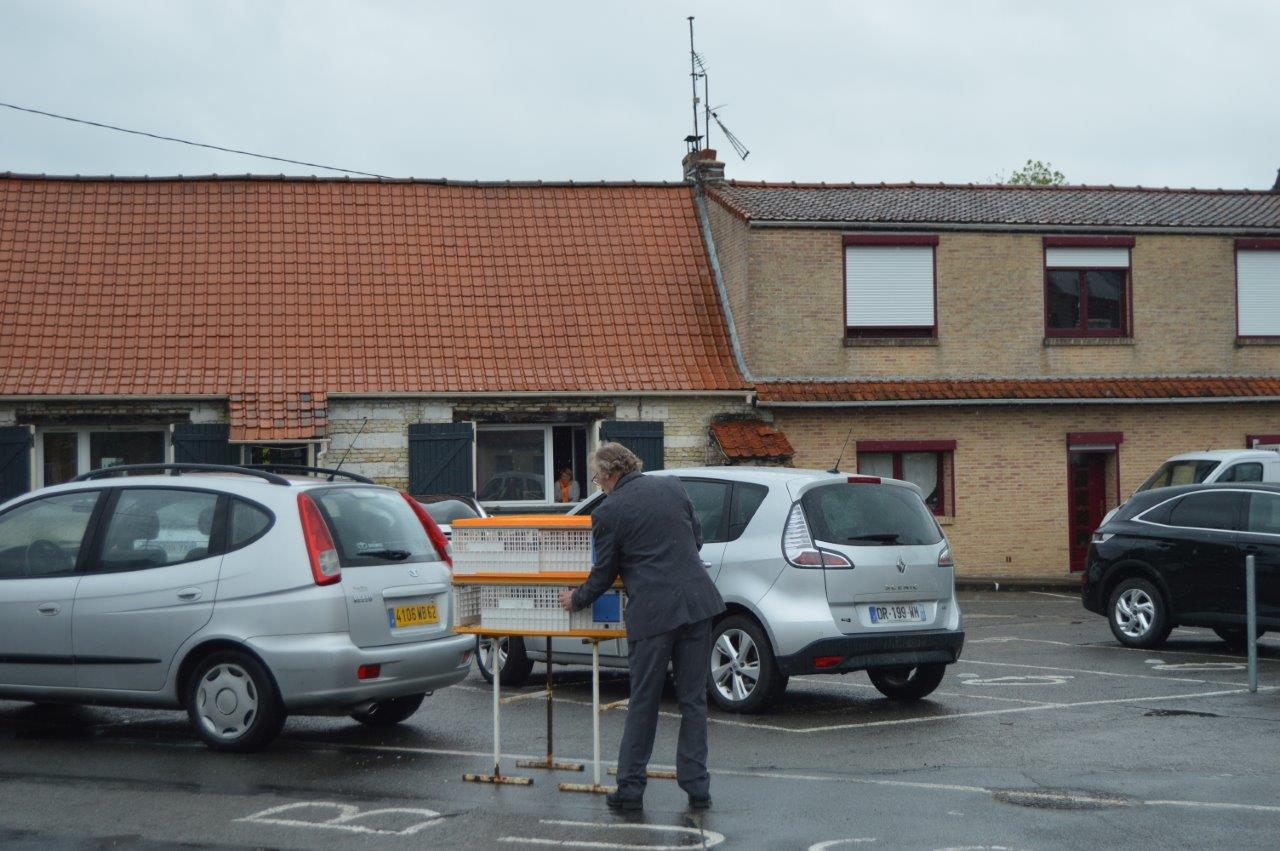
(509, 571)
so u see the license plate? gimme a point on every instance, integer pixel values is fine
(420, 615)
(900, 613)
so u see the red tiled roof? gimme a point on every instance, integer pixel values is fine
(268, 289)
(973, 390)
(1133, 207)
(751, 439)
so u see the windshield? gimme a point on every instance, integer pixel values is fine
(1170, 473)
(373, 526)
(869, 515)
(448, 510)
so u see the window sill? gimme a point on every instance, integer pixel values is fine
(1050, 342)
(1242, 342)
(945, 520)
(889, 342)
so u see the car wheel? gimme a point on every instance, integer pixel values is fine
(743, 676)
(232, 703)
(389, 712)
(1235, 636)
(514, 665)
(907, 683)
(1138, 614)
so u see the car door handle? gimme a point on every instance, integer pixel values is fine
(1253, 548)
(190, 594)
(707, 565)
(49, 609)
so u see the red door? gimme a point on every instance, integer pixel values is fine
(1086, 501)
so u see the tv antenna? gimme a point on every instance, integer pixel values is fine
(698, 71)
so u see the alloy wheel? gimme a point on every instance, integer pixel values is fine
(735, 665)
(486, 650)
(1135, 612)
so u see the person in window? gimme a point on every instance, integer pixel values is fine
(646, 530)
(566, 487)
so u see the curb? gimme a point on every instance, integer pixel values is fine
(996, 583)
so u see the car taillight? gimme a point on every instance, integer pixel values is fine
(944, 557)
(864, 480)
(438, 540)
(326, 568)
(798, 548)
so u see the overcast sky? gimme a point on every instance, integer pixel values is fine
(1134, 92)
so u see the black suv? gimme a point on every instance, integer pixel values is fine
(1175, 557)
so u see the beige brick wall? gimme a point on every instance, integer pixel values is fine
(1010, 463)
(787, 299)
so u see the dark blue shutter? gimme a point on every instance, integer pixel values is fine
(440, 458)
(204, 443)
(644, 439)
(15, 461)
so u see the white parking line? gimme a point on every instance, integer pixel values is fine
(832, 682)
(1098, 673)
(1072, 597)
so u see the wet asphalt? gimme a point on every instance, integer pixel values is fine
(1047, 734)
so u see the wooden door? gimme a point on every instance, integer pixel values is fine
(1086, 501)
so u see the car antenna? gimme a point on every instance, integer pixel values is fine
(835, 468)
(359, 431)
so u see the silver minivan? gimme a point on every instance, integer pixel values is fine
(240, 595)
(822, 573)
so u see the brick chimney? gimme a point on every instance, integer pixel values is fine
(1275, 187)
(702, 166)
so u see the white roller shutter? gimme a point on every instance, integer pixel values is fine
(1087, 258)
(888, 286)
(1258, 293)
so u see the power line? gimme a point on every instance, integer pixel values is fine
(187, 141)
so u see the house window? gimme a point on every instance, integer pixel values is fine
(63, 453)
(1087, 289)
(1258, 288)
(298, 454)
(889, 286)
(925, 463)
(1252, 441)
(522, 463)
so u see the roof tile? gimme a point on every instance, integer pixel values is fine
(1083, 389)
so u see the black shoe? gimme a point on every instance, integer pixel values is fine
(697, 802)
(619, 801)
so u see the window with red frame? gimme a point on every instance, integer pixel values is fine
(925, 463)
(1086, 287)
(1252, 441)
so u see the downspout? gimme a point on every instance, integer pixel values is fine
(700, 204)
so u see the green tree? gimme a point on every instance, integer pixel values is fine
(1035, 173)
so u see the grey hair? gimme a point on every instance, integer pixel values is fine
(615, 459)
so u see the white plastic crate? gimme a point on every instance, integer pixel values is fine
(466, 605)
(495, 550)
(535, 608)
(565, 550)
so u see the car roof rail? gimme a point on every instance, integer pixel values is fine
(320, 471)
(179, 469)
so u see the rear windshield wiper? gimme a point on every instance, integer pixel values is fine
(393, 555)
(882, 537)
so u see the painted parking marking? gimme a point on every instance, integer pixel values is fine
(836, 843)
(1162, 665)
(1122, 675)
(829, 681)
(347, 818)
(1016, 680)
(707, 838)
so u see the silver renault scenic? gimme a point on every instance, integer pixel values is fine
(241, 595)
(822, 573)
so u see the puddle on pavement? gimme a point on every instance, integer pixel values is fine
(1170, 713)
(1061, 799)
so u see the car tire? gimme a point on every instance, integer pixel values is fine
(514, 665)
(739, 648)
(907, 683)
(233, 704)
(1138, 614)
(391, 711)
(1236, 636)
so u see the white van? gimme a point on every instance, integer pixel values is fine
(1260, 464)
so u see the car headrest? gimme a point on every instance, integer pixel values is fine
(205, 521)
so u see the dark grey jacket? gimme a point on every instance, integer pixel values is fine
(647, 532)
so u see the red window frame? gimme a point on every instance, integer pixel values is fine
(1265, 439)
(1126, 298)
(945, 450)
(859, 332)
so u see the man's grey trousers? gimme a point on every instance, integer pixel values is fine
(688, 649)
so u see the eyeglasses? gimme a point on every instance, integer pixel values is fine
(595, 478)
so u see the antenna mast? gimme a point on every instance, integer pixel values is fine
(693, 86)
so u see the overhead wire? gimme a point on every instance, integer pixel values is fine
(189, 142)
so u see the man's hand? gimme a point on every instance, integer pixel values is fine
(566, 599)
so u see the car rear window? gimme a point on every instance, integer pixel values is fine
(1172, 473)
(867, 515)
(373, 526)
